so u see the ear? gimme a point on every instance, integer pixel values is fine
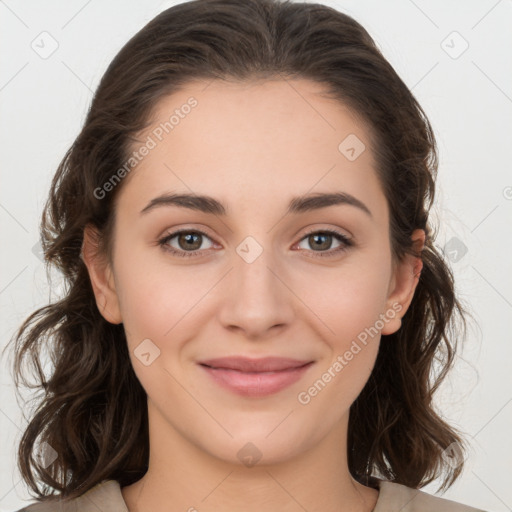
(101, 276)
(403, 284)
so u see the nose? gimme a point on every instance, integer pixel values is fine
(258, 298)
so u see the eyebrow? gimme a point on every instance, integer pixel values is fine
(301, 204)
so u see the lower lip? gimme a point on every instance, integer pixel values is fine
(256, 384)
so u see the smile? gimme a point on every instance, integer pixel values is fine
(253, 383)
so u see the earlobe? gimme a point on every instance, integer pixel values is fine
(403, 285)
(101, 276)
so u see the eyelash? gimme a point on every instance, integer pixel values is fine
(346, 243)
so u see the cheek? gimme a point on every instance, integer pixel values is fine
(351, 305)
(167, 304)
(154, 295)
(348, 300)
(159, 305)
(352, 308)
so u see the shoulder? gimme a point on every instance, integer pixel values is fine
(393, 496)
(105, 496)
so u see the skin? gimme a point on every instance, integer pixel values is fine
(252, 146)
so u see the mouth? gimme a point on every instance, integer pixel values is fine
(255, 377)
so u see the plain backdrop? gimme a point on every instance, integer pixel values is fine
(456, 56)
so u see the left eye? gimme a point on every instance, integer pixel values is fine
(318, 239)
(189, 242)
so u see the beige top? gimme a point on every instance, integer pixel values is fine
(107, 497)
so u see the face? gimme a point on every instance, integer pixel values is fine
(264, 273)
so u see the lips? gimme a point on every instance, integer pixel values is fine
(255, 377)
(245, 364)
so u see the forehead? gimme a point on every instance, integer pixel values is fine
(268, 139)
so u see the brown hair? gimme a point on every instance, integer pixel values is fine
(92, 410)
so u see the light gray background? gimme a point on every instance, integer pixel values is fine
(467, 96)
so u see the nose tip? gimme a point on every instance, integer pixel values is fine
(256, 300)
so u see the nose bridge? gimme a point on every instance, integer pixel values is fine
(252, 266)
(258, 300)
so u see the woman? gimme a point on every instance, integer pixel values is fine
(255, 300)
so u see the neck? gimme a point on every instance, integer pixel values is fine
(183, 477)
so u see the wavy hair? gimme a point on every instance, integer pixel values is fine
(91, 409)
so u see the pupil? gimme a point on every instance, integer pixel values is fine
(189, 239)
(325, 245)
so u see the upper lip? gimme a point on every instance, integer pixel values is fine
(246, 364)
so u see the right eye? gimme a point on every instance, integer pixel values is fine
(186, 239)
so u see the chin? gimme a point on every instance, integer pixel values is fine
(261, 444)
